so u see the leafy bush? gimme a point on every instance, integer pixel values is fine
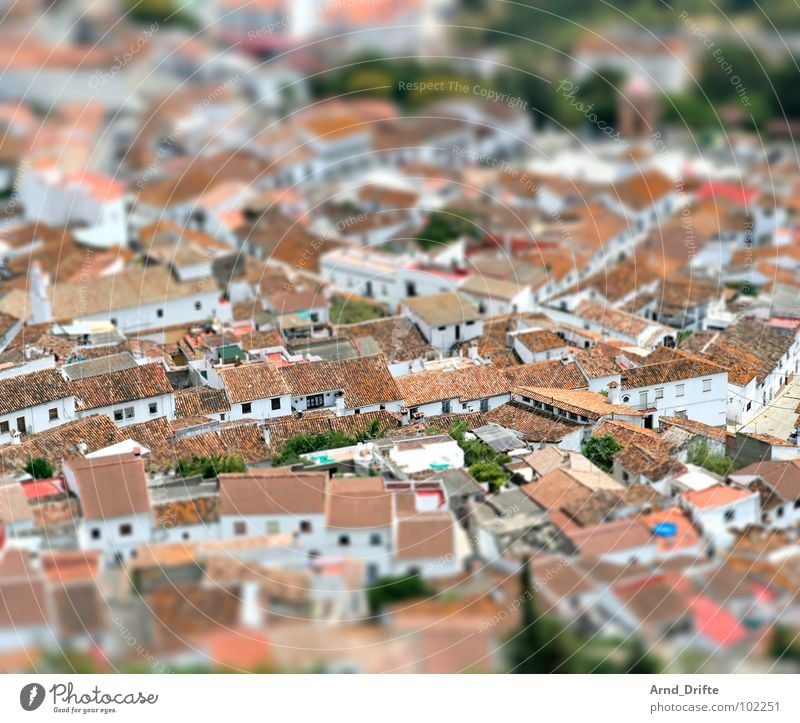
(700, 455)
(302, 444)
(601, 450)
(209, 467)
(484, 464)
(39, 468)
(392, 589)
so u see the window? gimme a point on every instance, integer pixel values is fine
(130, 412)
(247, 407)
(642, 399)
(706, 385)
(625, 476)
(626, 398)
(114, 322)
(305, 526)
(356, 411)
(660, 393)
(160, 313)
(446, 407)
(679, 390)
(239, 527)
(729, 515)
(484, 405)
(153, 407)
(442, 328)
(198, 305)
(375, 539)
(273, 527)
(4, 427)
(52, 413)
(118, 416)
(314, 401)
(126, 530)
(96, 533)
(344, 540)
(275, 404)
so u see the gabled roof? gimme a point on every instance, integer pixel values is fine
(442, 309)
(109, 487)
(578, 401)
(127, 385)
(28, 390)
(276, 491)
(425, 535)
(670, 371)
(196, 401)
(260, 380)
(467, 384)
(549, 373)
(364, 380)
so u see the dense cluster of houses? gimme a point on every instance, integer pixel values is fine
(260, 359)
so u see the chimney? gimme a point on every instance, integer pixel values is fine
(137, 451)
(613, 393)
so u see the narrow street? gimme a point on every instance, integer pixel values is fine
(780, 417)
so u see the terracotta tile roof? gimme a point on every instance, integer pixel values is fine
(782, 477)
(693, 426)
(653, 464)
(27, 390)
(656, 602)
(442, 309)
(764, 341)
(364, 380)
(278, 491)
(670, 371)
(642, 190)
(126, 290)
(626, 433)
(194, 511)
(467, 384)
(578, 401)
(196, 401)
(24, 601)
(96, 431)
(616, 536)
(616, 283)
(426, 535)
(110, 487)
(260, 380)
(540, 340)
(14, 507)
(550, 373)
(127, 385)
(397, 337)
(243, 437)
(533, 425)
(614, 319)
(354, 509)
(594, 363)
(716, 496)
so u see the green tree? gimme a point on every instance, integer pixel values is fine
(601, 450)
(39, 468)
(212, 466)
(392, 589)
(700, 455)
(540, 646)
(446, 226)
